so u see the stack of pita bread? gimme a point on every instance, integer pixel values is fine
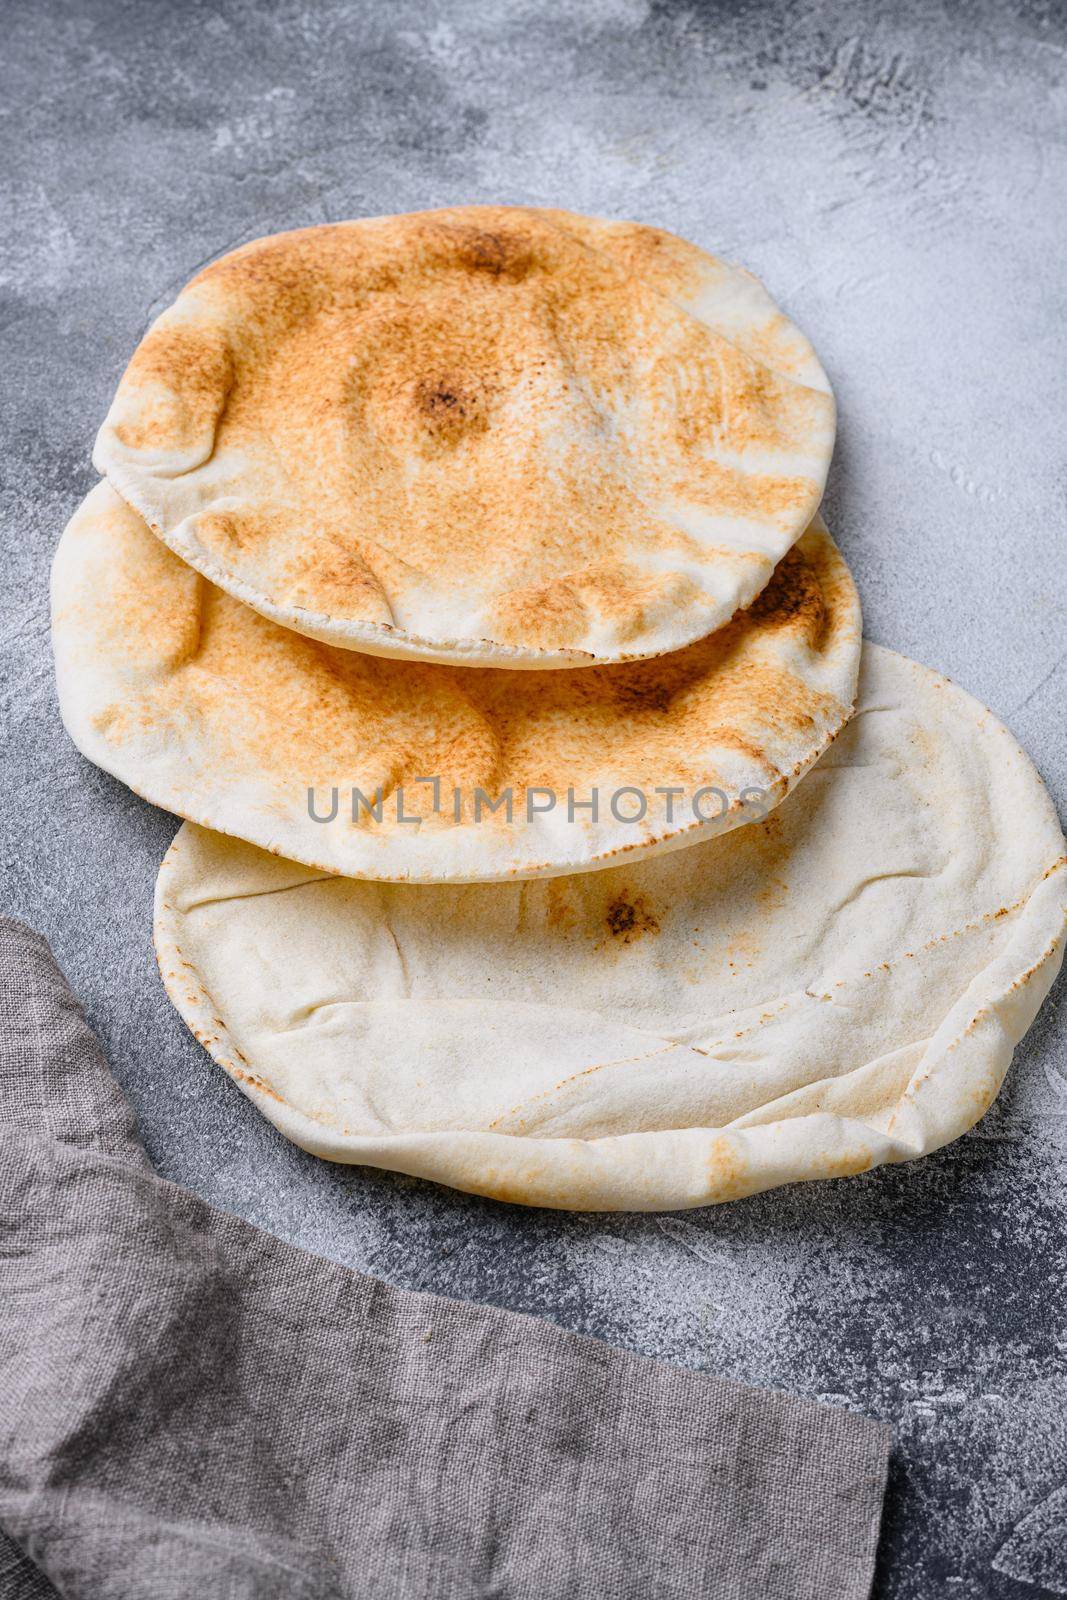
(550, 831)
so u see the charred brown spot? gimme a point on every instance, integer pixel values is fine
(487, 252)
(442, 398)
(451, 408)
(642, 691)
(793, 596)
(630, 919)
(498, 255)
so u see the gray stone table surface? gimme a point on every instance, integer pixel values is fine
(896, 174)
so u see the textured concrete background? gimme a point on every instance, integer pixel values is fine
(897, 176)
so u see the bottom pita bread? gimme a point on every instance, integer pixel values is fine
(837, 986)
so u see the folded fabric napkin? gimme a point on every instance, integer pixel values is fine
(193, 1407)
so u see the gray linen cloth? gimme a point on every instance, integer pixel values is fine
(190, 1407)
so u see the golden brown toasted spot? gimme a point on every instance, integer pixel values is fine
(228, 534)
(279, 281)
(551, 615)
(727, 1170)
(112, 722)
(557, 614)
(669, 263)
(253, 1078)
(198, 358)
(529, 1189)
(560, 911)
(327, 575)
(761, 497)
(778, 344)
(182, 377)
(846, 1166)
(153, 612)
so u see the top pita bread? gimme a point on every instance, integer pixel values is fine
(486, 435)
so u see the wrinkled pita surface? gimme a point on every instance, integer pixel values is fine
(323, 755)
(488, 434)
(837, 986)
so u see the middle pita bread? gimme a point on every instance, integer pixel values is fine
(328, 756)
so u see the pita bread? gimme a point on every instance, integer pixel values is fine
(487, 435)
(837, 986)
(207, 708)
